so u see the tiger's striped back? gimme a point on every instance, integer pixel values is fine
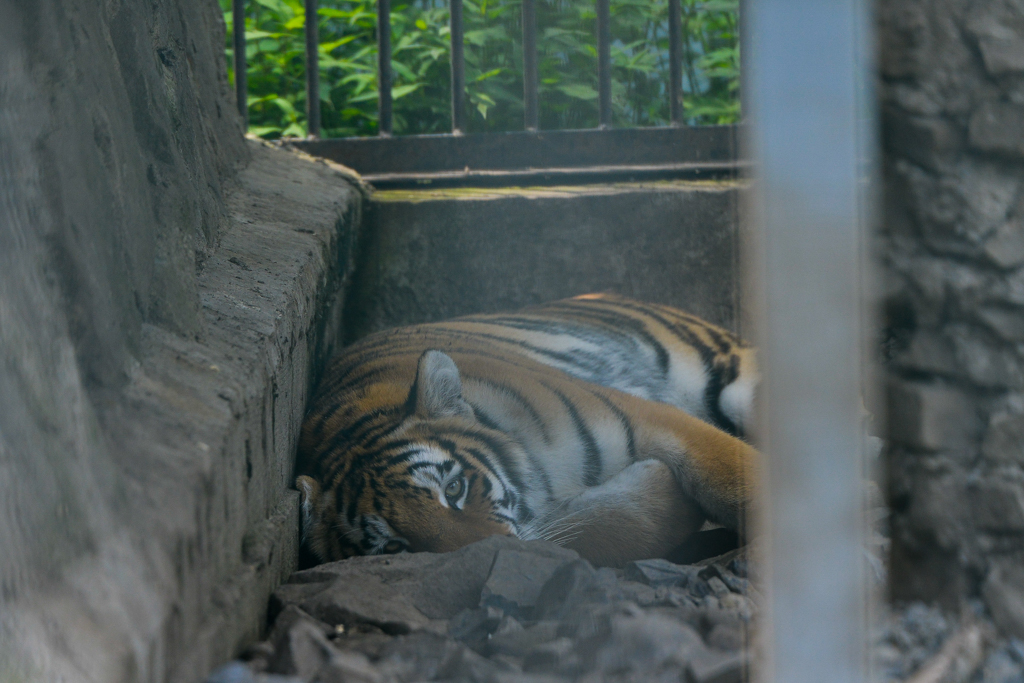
(553, 401)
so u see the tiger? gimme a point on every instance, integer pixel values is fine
(610, 426)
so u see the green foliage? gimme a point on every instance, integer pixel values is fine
(567, 64)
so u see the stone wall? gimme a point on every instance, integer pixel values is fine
(952, 249)
(166, 290)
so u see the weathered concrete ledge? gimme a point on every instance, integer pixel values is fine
(434, 254)
(201, 524)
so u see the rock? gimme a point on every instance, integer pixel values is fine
(659, 572)
(726, 637)
(573, 585)
(1002, 55)
(718, 587)
(291, 626)
(557, 656)
(233, 672)
(474, 626)
(237, 672)
(930, 416)
(718, 669)
(516, 579)
(1004, 594)
(407, 592)
(997, 505)
(1004, 438)
(1002, 666)
(519, 643)
(419, 657)
(996, 126)
(639, 645)
(1006, 245)
(1008, 323)
(309, 655)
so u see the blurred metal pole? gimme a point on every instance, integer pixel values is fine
(807, 71)
(312, 69)
(458, 68)
(604, 67)
(675, 59)
(241, 75)
(531, 83)
(384, 67)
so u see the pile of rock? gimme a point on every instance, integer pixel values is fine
(505, 610)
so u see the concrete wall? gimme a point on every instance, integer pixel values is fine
(165, 291)
(434, 254)
(952, 247)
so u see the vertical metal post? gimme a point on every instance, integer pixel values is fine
(807, 83)
(531, 82)
(384, 67)
(604, 64)
(241, 75)
(312, 69)
(458, 69)
(675, 59)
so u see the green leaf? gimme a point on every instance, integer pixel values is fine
(579, 91)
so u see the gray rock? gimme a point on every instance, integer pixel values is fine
(996, 126)
(1002, 666)
(517, 577)
(419, 657)
(474, 626)
(1004, 438)
(718, 669)
(573, 585)
(1004, 594)
(520, 643)
(406, 592)
(557, 656)
(659, 572)
(1007, 322)
(1002, 55)
(640, 645)
(997, 505)
(930, 416)
(1006, 245)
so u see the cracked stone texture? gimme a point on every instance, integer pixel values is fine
(951, 247)
(427, 617)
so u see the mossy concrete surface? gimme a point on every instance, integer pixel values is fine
(438, 253)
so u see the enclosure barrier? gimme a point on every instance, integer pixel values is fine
(807, 70)
(531, 83)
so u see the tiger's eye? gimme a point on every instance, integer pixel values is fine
(393, 546)
(454, 489)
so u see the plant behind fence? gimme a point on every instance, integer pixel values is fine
(567, 59)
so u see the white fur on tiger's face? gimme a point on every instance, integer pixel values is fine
(605, 424)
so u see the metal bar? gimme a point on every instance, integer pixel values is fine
(521, 150)
(531, 82)
(312, 69)
(458, 69)
(675, 59)
(241, 75)
(384, 67)
(808, 71)
(604, 68)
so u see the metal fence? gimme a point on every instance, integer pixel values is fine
(531, 82)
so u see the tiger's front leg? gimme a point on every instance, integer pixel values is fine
(641, 512)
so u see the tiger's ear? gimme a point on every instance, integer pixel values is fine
(437, 391)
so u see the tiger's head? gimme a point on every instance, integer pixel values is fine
(435, 479)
